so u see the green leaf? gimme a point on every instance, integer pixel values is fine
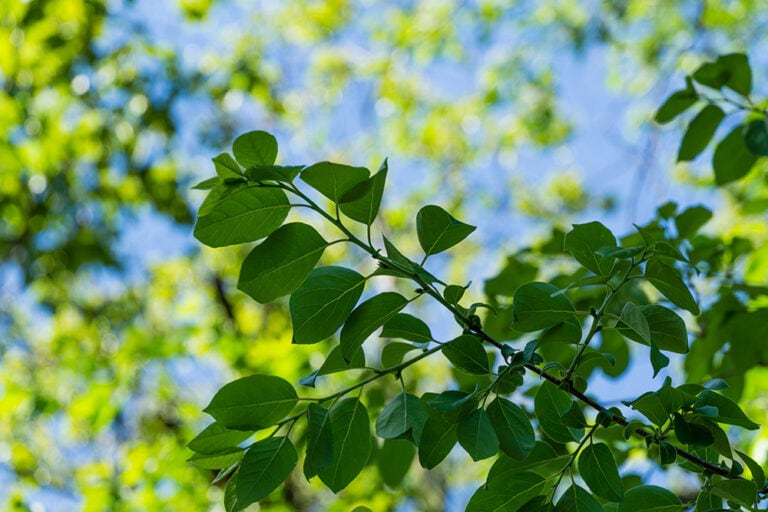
(756, 137)
(668, 330)
(265, 466)
(333, 180)
(437, 440)
(728, 411)
(319, 440)
(245, 214)
(586, 242)
(676, 104)
(221, 460)
(227, 168)
(666, 279)
(598, 469)
(711, 74)
(633, 317)
(565, 332)
(279, 265)
(350, 431)
(438, 230)
(700, 132)
(691, 433)
(691, 220)
(743, 492)
(366, 318)
(758, 474)
(477, 437)
(467, 354)
(217, 439)
(280, 173)
(513, 428)
(538, 306)
(362, 202)
(667, 453)
(230, 495)
(650, 498)
(392, 354)
(451, 405)
(394, 461)
(407, 327)
(739, 72)
(650, 406)
(658, 360)
(708, 502)
(255, 148)
(403, 414)
(323, 302)
(576, 499)
(207, 184)
(541, 458)
(732, 159)
(253, 402)
(335, 363)
(453, 293)
(549, 404)
(509, 497)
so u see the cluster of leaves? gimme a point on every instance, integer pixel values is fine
(737, 153)
(260, 419)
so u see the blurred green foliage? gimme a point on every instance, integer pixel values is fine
(106, 109)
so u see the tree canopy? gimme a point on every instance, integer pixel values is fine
(117, 329)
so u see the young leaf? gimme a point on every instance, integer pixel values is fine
(633, 317)
(335, 363)
(265, 466)
(392, 354)
(319, 440)
(361, 202)
(394, 461)
(350, 431)
(549, 404)
(217, 439)
(333, 180)
(366, 318)
(650, 498)
(453, 293)
(513, 428)
(665, 279)
(732, 159)
(585, 240)
(279, 265)
(510, 496)
(467, 354)
(437, 440)
(437, 230)
(323, 302)
(711, 74)
(252, 403)
(207, 184)
(538, 306)
(407, 327)
(758, 474)
(756, 137)
(243, 215)
(598, 469)
(227, 168)
(576, 499)
(403, 414)
(255, 148)
(477, 437)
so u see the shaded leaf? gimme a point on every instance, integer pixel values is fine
(538, 306)
(549, 404)
(650, 498)
(666, 279)
(366, 318)
(509, 497)
(576, 499)
(467, 353)
(588, 243)
(395, 459)
(599, 470)
(513, 428)
(319, 440)
(700, 132)
(266, 465)
(351, 441)
(732, 158)
(403, 414)
(362, 202)
(477, 436)
(437, 440)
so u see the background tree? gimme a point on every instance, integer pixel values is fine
(112, 112)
